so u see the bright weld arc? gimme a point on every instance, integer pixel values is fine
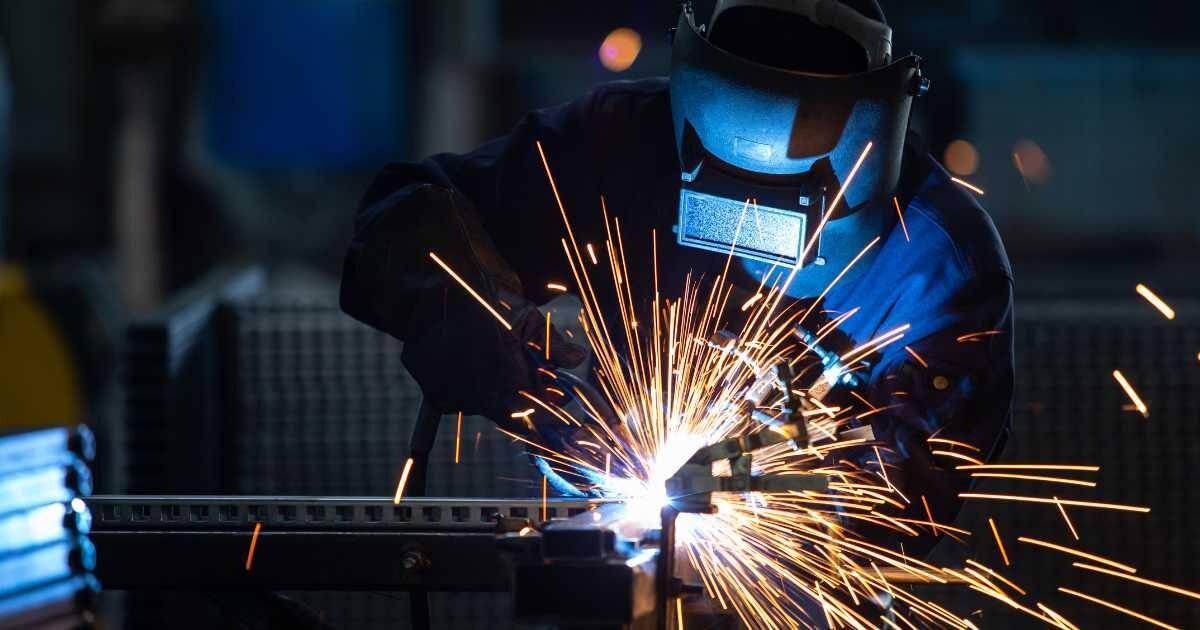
(408, 464)
(1133, 395)
(1155, 301)
(463, 284)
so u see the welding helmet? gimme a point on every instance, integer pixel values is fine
(787, 132)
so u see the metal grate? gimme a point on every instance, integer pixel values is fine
(1068, 409)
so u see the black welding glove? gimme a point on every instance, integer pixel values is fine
(463, 356)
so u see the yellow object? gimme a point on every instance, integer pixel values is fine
(38, 382)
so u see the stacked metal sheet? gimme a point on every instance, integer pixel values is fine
(46, 559)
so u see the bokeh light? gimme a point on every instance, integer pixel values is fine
(961, 158)
(620, 49)
(1031, 161)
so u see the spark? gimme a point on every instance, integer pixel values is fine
(828, 213)
(1131, 613)
(957, 455)
(524, 413)
(679, 611)
(1088, 504)
(954, 443)
(253, 544)
(993, 573)
(463, 284)
(1063, 467)
(976, 336)
(525, 531)
(917, 357)
(1140, 580)
(900, 214)
(1063, 511)
(1062, 480)
(1156, 301)
(971, 187)
(475, 452)
(748, 303)
(408, 464)
(547, 335)
(932, 523)
(592, 254)
(458, 437)
(1133, 395)
(555, 286)
(999, 543)
(1076, 552)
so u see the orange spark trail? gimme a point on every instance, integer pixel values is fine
(556, 286)
(917, 357)
(547, 335)
(1140, 580)
(545, 511)
(1091, 504)
(1086, 468)
(838, 197)
(1117, 608)
(954, 443)
(679, 611)
(1133, 396)
(463, 284)
(971, 187)
(932, 523)
(458, 437)
(1063, 511)
(403, 480)
(1156, 301)
(253, 544)
(999, 543)
(1076, 552)
(900, 214)
(1063, 480)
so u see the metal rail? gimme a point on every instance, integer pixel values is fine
(320, 543)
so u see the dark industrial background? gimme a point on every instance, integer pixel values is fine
(179, 180)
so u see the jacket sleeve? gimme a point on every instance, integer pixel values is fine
(945, 401)
(486, 213)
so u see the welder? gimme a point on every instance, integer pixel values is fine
(786, 102)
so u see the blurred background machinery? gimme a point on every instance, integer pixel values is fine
(178, 179)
